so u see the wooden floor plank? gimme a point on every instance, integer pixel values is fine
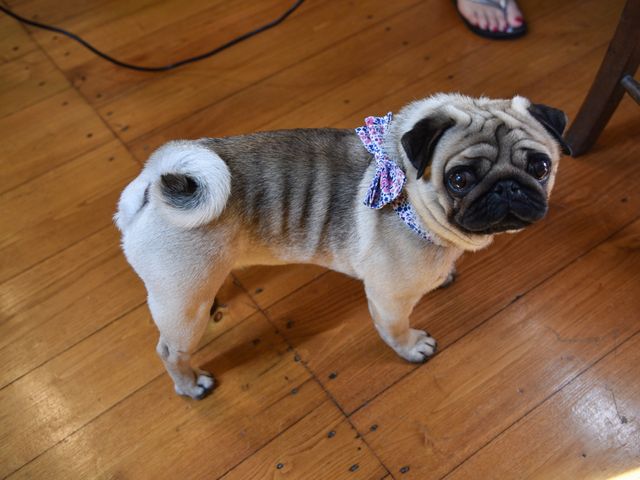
(28, 80)
(14, 41)
(329, 324)
(266, 285)
(320, 446)
(62, 210)
(261, 392)
(206, 27)
(48, 134)
(38, 286)
(499, 372)
(591, 423)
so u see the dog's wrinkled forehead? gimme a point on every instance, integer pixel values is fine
(497, 127)
(494, 137)
(457, 126)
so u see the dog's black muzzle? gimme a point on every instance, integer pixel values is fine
(508, 205)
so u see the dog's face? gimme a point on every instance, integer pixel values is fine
(492, 164)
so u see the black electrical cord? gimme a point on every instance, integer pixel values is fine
(162, 68)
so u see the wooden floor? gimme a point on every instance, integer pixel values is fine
(538, 375)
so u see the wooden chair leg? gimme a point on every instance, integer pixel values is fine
(622, 58)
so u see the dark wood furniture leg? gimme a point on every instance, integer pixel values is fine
(621, 60)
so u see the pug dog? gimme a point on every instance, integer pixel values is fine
(394, 203)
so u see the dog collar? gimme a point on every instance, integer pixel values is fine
(388, 183)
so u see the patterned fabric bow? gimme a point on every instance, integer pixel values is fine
(388, 182)
(389, 178)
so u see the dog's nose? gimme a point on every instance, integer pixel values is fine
(507, 188)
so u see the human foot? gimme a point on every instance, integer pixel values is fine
(497, 19)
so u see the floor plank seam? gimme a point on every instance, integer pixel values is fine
(86, 101)
(73, 344)
(99, 261)
(360, 435)
(66, 162)
(324, 389)
(272, 439)
(275, 302)
(49, 257)
(543, 401)
(29, 105)
(19, 57)
(66, 247)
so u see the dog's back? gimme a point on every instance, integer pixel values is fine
(295, 187)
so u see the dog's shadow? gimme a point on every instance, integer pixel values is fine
(328, 303)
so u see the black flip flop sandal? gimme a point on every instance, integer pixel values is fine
(510, 34)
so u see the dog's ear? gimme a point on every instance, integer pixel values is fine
(420, 142)
(553, 120)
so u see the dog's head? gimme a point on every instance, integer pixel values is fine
(481, 166)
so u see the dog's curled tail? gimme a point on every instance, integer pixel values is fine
(194, 183)
(188, 184)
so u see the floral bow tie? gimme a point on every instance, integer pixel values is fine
(388, 182)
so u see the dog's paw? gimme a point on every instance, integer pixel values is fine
(419, 348)
(201, 388)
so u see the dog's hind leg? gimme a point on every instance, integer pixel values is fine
(181, 315)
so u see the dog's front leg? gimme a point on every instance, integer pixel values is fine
(390, 312)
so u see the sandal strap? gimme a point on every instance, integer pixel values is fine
(499, 4)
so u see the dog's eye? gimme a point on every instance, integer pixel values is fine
(461, 180)
(539, 166)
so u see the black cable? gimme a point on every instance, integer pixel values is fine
(163, 68)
